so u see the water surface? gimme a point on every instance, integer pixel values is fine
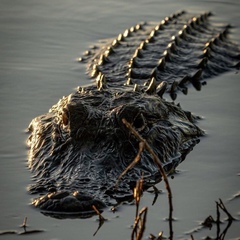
(39, 43)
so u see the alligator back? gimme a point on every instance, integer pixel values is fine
(81, 146)
(180, 49)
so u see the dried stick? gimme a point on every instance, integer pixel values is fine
(222, 206)
(132, 164)
(101, 219)
(161, 169)
(218, 221)
(24, 225)
(137, 193)
(142, 222)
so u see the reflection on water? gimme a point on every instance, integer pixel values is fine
(39, 42)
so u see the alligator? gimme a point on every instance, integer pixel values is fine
(81, 146)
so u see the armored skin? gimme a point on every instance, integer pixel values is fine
(80, 147)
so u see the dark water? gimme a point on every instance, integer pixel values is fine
(39, 41)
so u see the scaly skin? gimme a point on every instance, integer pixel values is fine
(80, 147)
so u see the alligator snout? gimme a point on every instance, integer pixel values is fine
(68, 203)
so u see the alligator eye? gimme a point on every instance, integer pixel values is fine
(139, 122)
(65, 116)
(133, 115)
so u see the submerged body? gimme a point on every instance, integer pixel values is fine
(80, 147)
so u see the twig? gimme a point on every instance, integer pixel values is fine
(101, 219)
(162, 171)
(222, 206)
(24, 225)
(137, 193)
(156, 192)
(218, 221)
(142, 222)
(132, 164)
(223, 234)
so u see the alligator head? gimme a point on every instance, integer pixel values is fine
(81, 146)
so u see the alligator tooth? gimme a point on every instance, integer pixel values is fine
(167, 55)
(237, 66)
(173, 90)
(110, 50)
(176, 40)
(209, 13)
(95, 71)
(87, 53)
(198, 21)
(161, 88)
(185, 90)
(207, 52)
(143, 45)
(81, 89)
(120, 37)
(172, 47)
(197, 75)
(173, 15)
(180, 13)
(203, 18)
(126, 33)
(138, 53)
(151, 39)
(101, 81)
(210, 45)
(163, 22)
(146, 83)
(132, 29)
(138, 26)
(221, 36)
(188, 29)
(129, 81)
(103, 59)
(216, 41)
(154, 73)
(183, 81)
(115, 43)
(131, 73)
(224, 34)
(166, 21)
(203, 63)
(182, 34)
(195, 79)
(153, 33)
(133, 62)
(136, 88)
(193, 23)
(161, 64)
(159, 27)
(80, 59)
(152, 86)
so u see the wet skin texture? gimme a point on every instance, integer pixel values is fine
(80, 147)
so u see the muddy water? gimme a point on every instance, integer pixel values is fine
(38, 44)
